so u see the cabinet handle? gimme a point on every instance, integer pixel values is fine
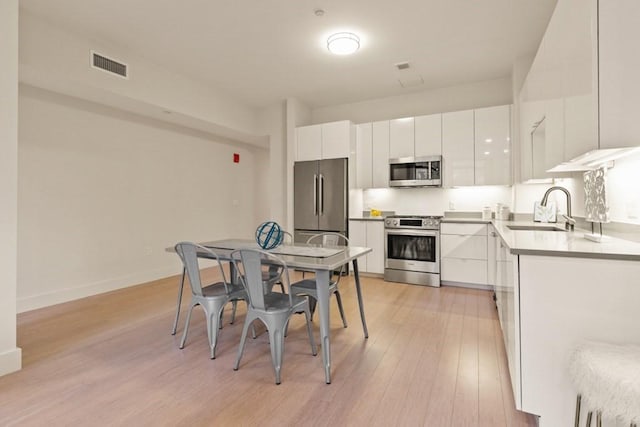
(493, 234)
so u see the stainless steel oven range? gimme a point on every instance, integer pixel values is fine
(412, 249)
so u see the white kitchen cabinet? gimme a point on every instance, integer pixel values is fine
(370, 234)
(358, 237)
(309, 143)
(508, 305)
(325, 141)
(364, 159)
(375, 241)
(458, 148)
(380, 154)
(401, 138)
(428, 135)
(587, 78)
(336, 139)
(463, 249)
(492, 130)
(492, 238)
(563, 302)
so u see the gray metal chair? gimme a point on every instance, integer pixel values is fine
(307, 287)
(272, 274)
(274, 309)
(211, 298)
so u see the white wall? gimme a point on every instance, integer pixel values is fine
(297, 114)
(622, 190)
(10, 356)
(57, 59)
(455, 98)
(271, 196)
(103, 192)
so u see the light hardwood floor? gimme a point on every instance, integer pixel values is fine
(435, 357)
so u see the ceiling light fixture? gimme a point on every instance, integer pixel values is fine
(343, 43)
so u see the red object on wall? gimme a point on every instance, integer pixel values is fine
(236, 158)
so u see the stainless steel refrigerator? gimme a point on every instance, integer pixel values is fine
(321, 197)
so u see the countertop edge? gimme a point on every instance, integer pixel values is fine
(628, 250)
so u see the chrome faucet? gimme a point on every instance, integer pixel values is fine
(570, 222)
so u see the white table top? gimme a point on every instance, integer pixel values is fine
(313, 257)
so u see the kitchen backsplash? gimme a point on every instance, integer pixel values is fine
(434, 201)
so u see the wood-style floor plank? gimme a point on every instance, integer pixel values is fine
(435, 357)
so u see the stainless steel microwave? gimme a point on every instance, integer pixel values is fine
(415, 172)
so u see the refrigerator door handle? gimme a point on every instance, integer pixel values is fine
(315, 194)
(321, 194)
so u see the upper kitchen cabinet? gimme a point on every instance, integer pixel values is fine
(325, 141)
(428, 135)
(364, 147)
(309, 143)
(493, 145)
(619, 68)
(380, 154)
(457, 148)
(585, 77)
(401, 138)
(372, 155)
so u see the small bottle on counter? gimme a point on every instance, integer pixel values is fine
(486, 213)
(504, 213)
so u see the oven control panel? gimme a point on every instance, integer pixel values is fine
(422, 223)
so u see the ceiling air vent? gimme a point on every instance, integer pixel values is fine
(109, 65)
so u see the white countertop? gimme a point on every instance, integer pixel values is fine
(367, 218)
(563, 243)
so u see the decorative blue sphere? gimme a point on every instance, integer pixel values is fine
(269, 235)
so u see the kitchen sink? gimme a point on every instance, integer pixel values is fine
(535, 228)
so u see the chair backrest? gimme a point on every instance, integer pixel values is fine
(189, 253)
(249, 262)
(329, 238)
(286, 235)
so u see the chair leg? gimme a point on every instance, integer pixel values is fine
(599, 419)
(233, 312)
(312, 307)
(212, 329)
(589, 415)
(248, 321)
(577, 417)
(186, 327)
(307, 316)
(175, 321)
(339, 300)
(276, 342)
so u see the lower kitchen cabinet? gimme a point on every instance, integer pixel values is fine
(507, 303)
(370, 234)
(463, 249)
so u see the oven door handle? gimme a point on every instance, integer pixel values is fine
(406, 232)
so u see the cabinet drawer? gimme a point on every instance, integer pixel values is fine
(464, 270)
(470, 247)
(463, 229)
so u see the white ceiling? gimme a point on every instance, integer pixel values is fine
(264, 51)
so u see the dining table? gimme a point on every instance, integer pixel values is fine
(323, 260)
